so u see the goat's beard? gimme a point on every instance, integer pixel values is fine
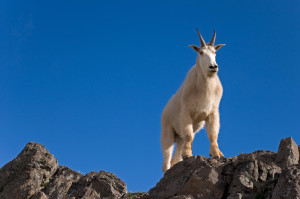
(212, 73)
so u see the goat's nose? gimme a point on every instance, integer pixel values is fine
(213, 66)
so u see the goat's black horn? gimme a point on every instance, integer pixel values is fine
(201, 39)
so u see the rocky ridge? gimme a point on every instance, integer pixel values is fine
(35, 174)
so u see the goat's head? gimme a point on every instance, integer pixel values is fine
(206, 59)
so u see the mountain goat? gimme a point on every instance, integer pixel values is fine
(195, 103)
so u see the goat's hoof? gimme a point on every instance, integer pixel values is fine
(165, 167)
(221, 154)
(218, 154)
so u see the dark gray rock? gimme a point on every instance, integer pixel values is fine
(299, 153)
(61, 182)
(288, 152)
(235, 196)
(35, 174)
(23, 176)
(137, 195)
(245, 176)
(253, 177)
(185, 197)
(197, 176)
(98, 185)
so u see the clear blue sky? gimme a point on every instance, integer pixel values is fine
(89, 79)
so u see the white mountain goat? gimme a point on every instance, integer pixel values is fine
(194, 104)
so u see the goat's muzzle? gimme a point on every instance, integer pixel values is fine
(213, 68)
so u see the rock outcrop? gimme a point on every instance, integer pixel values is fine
(244, 176)
(258, 175)
(35, 174)
(24, 176)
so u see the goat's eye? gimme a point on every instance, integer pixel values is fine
(201, 53)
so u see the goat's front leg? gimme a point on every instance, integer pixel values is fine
(212, 128)
(187, 134)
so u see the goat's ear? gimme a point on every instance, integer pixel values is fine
(217, 47)
(196, 48)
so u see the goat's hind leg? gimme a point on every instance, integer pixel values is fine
(187, 134)
(167, 145)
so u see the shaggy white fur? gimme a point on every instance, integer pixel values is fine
(195, 104)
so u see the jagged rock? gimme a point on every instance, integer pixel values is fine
(61, 182)
(288, 184)
(23, 176)
(40, 195)
(35, 174)
(299, 153)
(137, 195)
(245, 176)
(196, 175)
(235, 196)
(254, 175)
(288, 152)
(184, 197)
(98, 185)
